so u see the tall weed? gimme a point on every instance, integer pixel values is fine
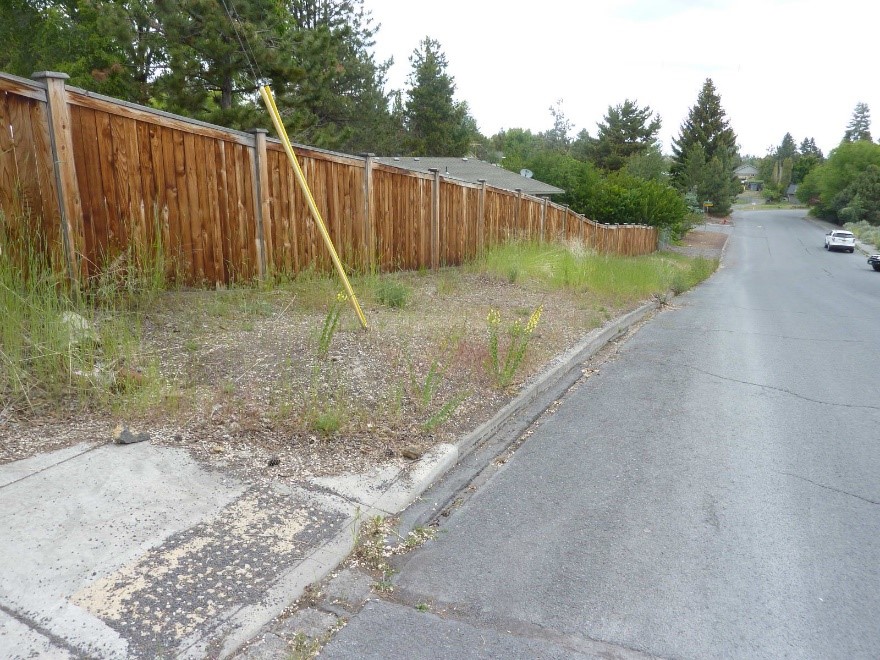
(55, 346)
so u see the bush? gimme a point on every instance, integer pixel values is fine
(865, 232)
(621, 199)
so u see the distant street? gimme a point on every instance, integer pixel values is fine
(712, 492)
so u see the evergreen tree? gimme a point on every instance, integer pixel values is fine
(706, 124)
(90, 41)
(628, 130)
(719, 186)
(220, 53)
(339, 101)
(810, 157)
(859, 127)
(808, 148)
(436, 124)
(787, 149)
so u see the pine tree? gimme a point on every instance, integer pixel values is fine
(339, 101)
(859, 127)
(706, 124)
(436, 124)
(787, 149)
(808, 148)
(628, 130)
(90, 41)
(219, 54)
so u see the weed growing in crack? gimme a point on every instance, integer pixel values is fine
(416, 538)
(503, 368)
(372, 551)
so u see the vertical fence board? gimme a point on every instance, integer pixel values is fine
(190, 174)
(8, 173)
(48, 192)
(89, 177)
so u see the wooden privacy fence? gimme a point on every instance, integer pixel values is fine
(98, 176)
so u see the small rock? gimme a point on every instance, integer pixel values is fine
(411, 453)
(123, 436)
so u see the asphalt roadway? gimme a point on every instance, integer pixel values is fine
(713, 492)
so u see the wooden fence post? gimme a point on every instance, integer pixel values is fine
(261, 199)
(543, 217)
(435, 219)
(369, 239)
(518, 215)
(481, 217)
(61, 143)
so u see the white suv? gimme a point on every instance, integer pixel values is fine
(840, 240)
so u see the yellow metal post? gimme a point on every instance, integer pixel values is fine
(269, 101)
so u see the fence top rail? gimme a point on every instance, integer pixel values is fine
(316, 152)
(23, 87)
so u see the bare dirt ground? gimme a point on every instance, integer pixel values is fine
(239, 378)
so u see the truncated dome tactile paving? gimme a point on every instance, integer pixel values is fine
(196, 578)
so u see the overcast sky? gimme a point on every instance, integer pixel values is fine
(797, 66)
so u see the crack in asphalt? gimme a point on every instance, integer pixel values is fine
(831, 488)
(515, 627)
(770, 387)
(54, 639)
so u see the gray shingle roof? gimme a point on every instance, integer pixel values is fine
(746, 170)
(472, 170)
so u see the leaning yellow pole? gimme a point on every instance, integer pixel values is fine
(269, 101)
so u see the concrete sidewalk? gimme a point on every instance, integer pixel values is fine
(138, 551)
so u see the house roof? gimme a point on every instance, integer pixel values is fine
(746, 170)
(472, 170)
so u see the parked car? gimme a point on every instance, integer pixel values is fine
(874, 261)
(838, 239)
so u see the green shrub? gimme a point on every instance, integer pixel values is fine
(392, 293)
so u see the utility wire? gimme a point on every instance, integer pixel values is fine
(246, 49)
